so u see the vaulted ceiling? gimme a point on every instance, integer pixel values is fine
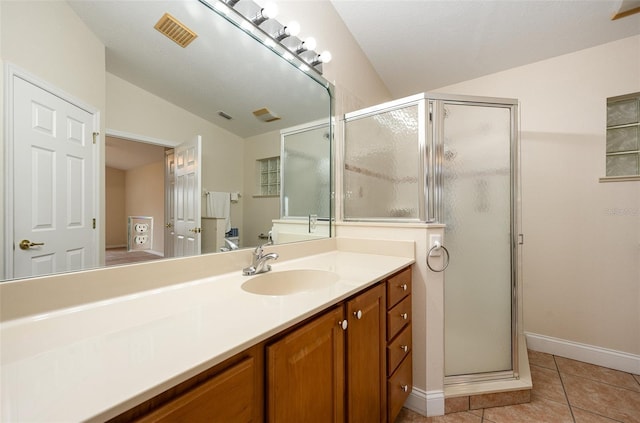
(421, 45)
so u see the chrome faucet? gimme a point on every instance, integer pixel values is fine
(259, 261)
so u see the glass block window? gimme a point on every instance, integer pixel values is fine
(623, 135)
(269, 176)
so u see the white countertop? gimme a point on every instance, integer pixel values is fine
(96, 360)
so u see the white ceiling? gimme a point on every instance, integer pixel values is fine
(422, 45)
(223, 69)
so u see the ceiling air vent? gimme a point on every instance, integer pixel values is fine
(265, 115)
(224, 115)
(175, 30)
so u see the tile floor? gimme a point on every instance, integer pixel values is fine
(563, 391)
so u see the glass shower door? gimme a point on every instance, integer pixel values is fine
(475, 158)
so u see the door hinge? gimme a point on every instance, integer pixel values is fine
(94, 223)
(520, 239)
(95, 137)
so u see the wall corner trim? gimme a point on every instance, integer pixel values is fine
(592, 354)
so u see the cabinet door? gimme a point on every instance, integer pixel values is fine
(366, 357)
(305, 379)
(229, 396)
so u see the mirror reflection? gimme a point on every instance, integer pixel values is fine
(193, 145)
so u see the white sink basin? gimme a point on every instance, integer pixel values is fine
(289, 282)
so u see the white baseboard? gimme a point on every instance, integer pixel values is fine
(426, 403)
(599, 356)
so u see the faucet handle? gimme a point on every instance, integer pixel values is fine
(259, 248)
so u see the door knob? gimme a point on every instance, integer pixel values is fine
(25, 244)
(168, 225)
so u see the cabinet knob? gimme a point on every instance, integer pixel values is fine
(403, 286)
(404, 348)
(404, 316)
(343, 324)
(405, 388)
(358, 314)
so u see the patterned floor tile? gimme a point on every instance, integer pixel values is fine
(539, 410)
(541, 359)
(602, 399)
(547, 384)
(601, 374)
(582, 416)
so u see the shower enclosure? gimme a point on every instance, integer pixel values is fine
(452, 160)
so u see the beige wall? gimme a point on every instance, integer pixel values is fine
(258, 211)
(35, 36)
(116, 220)
(144, 196)
(581, 261)
(134, 111)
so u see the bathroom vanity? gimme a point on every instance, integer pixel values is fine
(215, 347)
(330, 367)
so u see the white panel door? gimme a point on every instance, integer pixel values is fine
(169, 203)
(53, 183)
(186, 240)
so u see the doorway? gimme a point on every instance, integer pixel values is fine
(134, 186)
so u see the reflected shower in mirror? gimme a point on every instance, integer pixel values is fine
(174, 126)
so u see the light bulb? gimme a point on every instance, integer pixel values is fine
(307, 44)
(325, 56)
(310, 43)
(293, 28)
(270, 10)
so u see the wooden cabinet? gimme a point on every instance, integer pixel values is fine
(313, 369)
(399, 342)
(232, 391)
(305, 372)
(366, 357)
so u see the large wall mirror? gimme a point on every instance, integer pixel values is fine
(194, 144)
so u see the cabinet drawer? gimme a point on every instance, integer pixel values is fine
(399, 387)
(398, 317)
(398, 349)
(398, 287)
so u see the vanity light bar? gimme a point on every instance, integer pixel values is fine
(283, 41)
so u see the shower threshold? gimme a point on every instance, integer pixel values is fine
(469, 395)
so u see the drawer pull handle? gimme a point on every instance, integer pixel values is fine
(405, 388)
(403, 286)
(343, 324)
(404, 316)
(358, 314)
(404, 348)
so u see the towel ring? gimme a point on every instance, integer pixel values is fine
(446, 263)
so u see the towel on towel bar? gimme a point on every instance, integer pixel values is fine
(218, 205)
